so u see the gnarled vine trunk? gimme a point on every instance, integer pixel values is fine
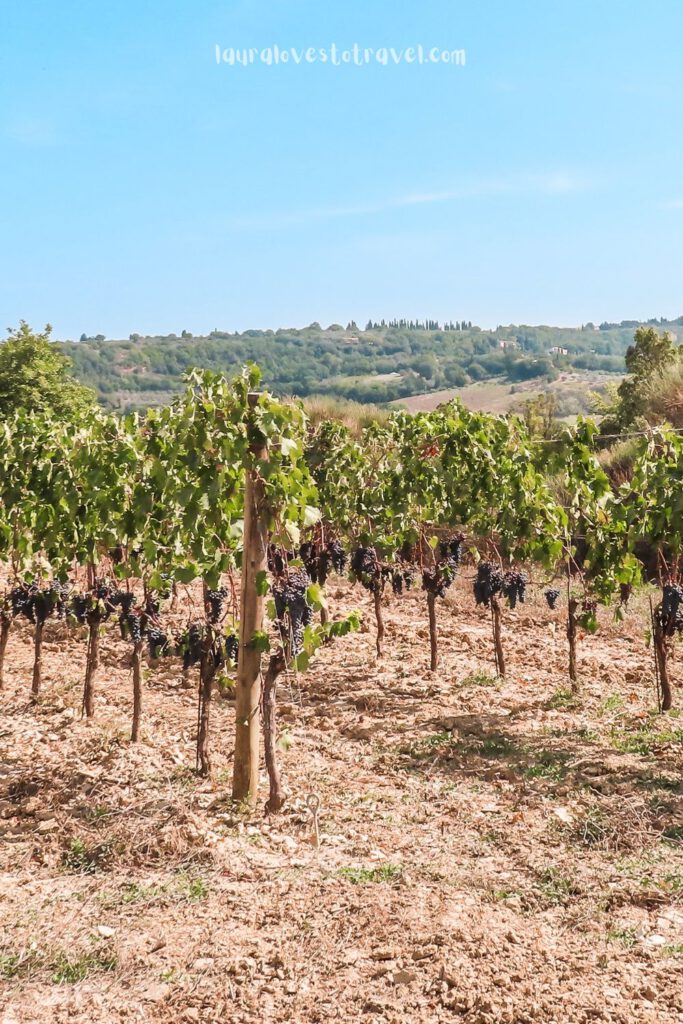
(5, 626)
(207, 672)
(662, 659)
(571, 637)
(433, 637)
(37, 681)
(137, 691)
(277, 796)
(379, 618)
(497, 638)
(91, 666)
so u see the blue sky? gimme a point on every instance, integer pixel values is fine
(144, 187)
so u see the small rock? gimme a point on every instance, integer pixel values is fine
(106, 931)
(204, 963)
(382, 953)
(155, 993)
(405, 977)
(48, 826)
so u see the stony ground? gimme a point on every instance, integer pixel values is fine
(489, 852)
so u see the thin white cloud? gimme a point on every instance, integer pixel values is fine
(551, 184)
(673, 204)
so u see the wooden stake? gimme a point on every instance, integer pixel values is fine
(252, 606)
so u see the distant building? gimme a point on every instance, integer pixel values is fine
(557, 351)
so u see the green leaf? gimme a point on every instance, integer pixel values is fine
(262, 586)
(260, 641)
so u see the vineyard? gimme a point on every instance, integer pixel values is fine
(260, 665)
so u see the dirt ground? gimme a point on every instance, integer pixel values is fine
(489, 852)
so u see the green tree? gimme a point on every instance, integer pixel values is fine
(34, 376)
(650, 354)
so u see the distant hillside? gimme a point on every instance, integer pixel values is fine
(382, 363)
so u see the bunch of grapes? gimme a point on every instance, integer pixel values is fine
(489, 582)
(216, 600)
(103, 590)
(451, 549)
(293, 610)
(625, 592)
(308, 553)
(551, 597)
(123, 599)
(131, 626)
(19, 598)
(189, 645)
(37, 603)
(672, 598)
(588, 618)
(152, 605)
(367, 570)
(439, 578)
(95, 606)
(402, 578)
(335, 555)
(278, 560)
(157, 642)
(78, 608)
(62, 601)
(117, 554)
(232, 648)
(514, 587)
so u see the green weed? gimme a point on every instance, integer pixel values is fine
(366, 876)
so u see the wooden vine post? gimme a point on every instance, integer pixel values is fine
(252, 608)
(497, 640)
(433, 637)
(5, 624)
(572, 607)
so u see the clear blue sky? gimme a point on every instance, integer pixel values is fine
(145, 188)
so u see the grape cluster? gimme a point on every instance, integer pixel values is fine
(117, 554)
(216, 600)
(123, 599)
(589, 607)
(336, 557)
(308, 553)
(672, 598)
(451, 549)
(80, 603)
(37, 603)
(317, 562)
(188, 645)
(514, 587)
(278, 559)
(367, 570)
(551, 597)
(19, 599)
(489, 582)
(402, 578)
(437, 579)
(232, 648)
(625, 592)
(157, 642)
(292, 609)
(131, 626)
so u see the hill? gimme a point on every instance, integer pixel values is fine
(382, 363)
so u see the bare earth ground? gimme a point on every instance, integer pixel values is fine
(488, 852)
